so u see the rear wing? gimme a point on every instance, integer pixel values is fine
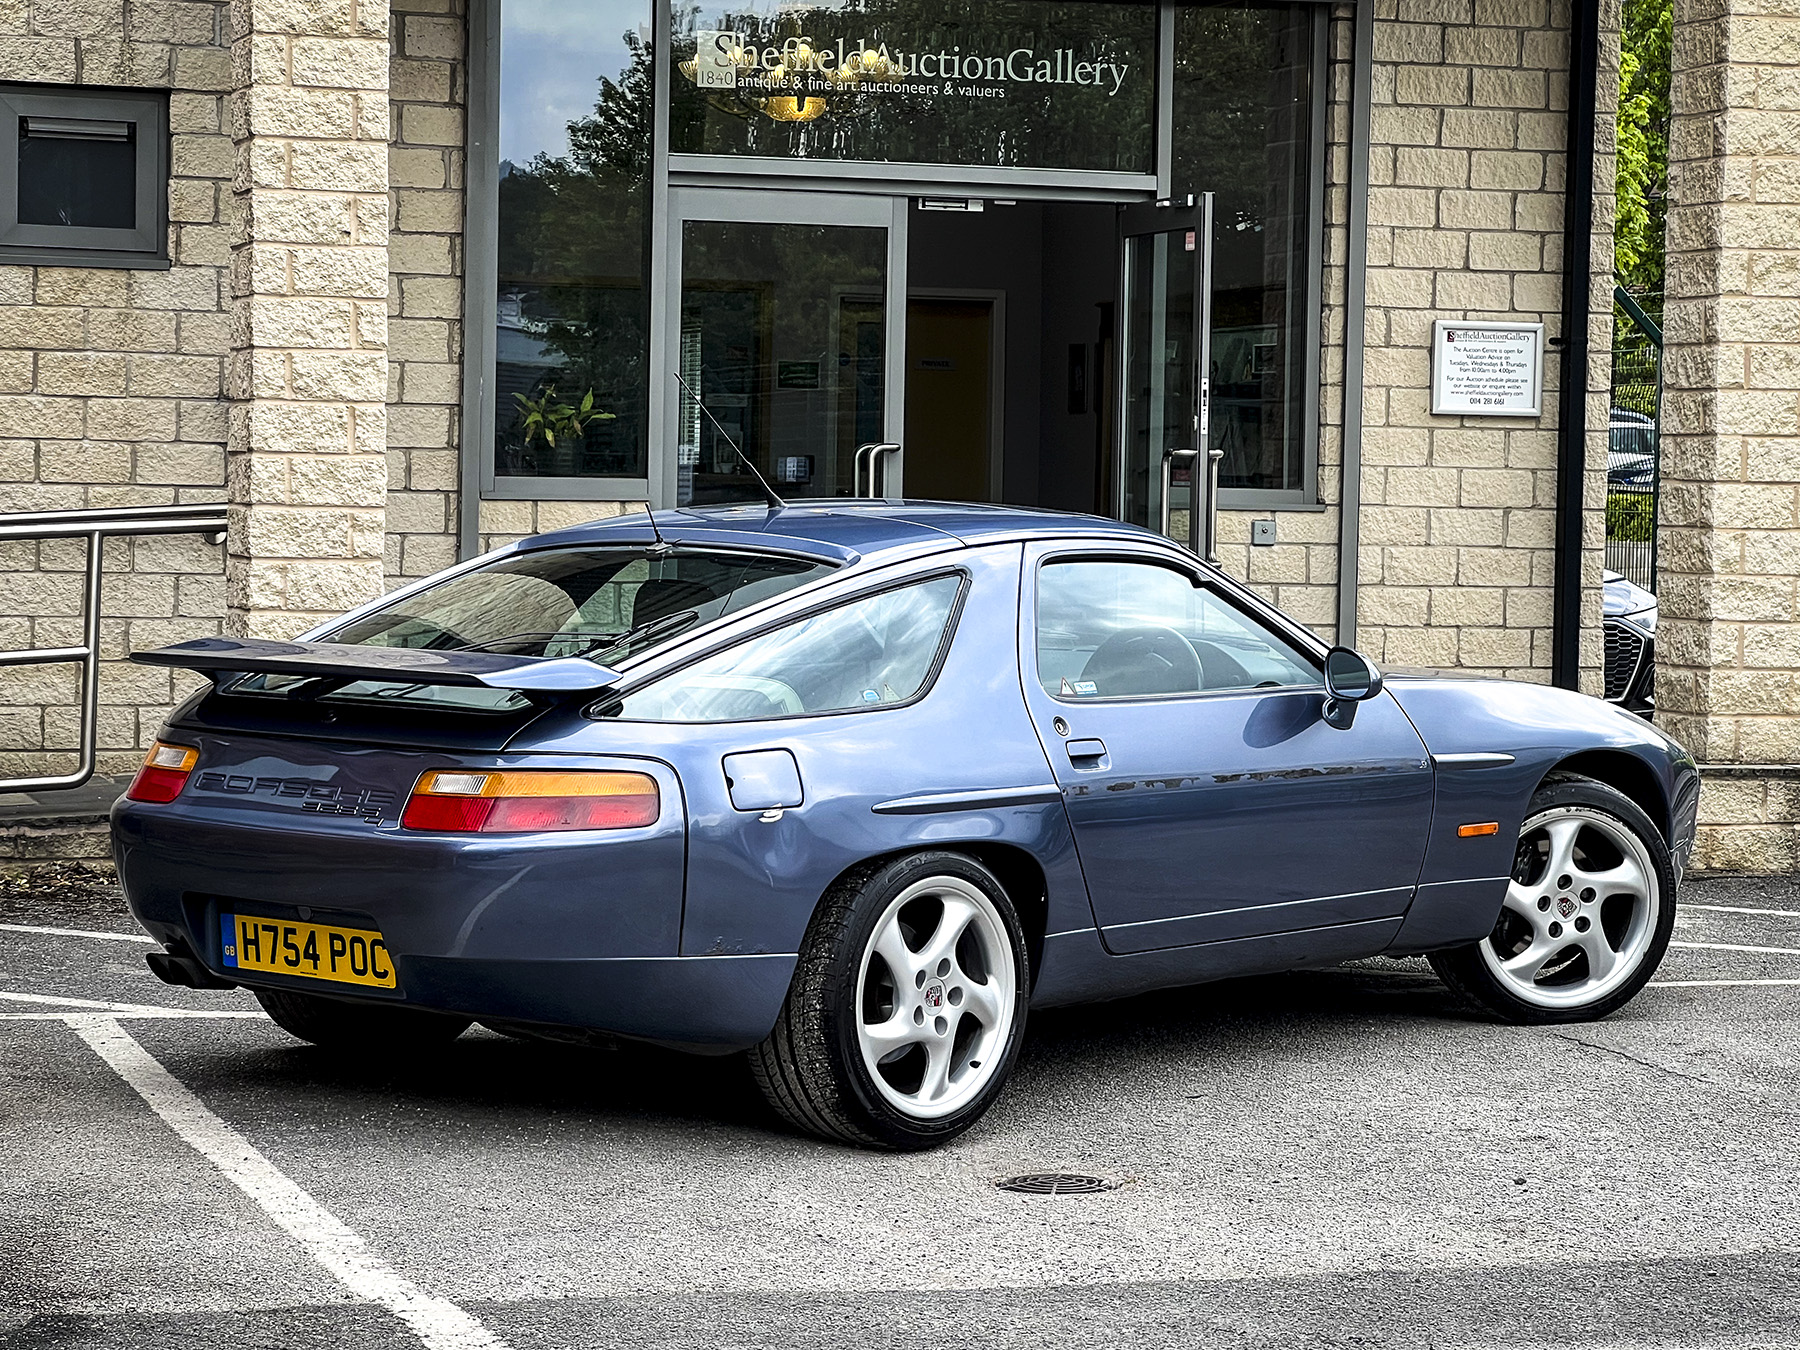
(223, 658)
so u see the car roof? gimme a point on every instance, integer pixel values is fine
(843, 530)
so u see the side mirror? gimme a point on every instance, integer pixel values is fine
(1350, 678)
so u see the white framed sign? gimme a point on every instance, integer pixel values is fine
(1483, 369)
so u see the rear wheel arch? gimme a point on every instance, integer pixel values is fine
(1016, 869)
(1624, 773)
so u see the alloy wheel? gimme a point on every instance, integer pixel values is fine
(1580, 912)
(936, 994)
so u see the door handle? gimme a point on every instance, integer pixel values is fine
(1089, 750)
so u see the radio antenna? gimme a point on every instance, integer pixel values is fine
(661, 546)
(775, 503)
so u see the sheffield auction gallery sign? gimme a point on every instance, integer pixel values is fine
(729, 60)
(1482, 369)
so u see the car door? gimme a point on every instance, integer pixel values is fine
(1209, 798)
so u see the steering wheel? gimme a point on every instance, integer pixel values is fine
(1147, 660)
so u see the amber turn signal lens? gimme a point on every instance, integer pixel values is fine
(1477, 830)
(164, 774)
(529, 801)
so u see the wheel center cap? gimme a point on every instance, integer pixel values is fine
(934, 996)
(1565, 905)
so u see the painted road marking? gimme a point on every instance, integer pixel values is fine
(75, 932)
(1733, 947)
(147, 1015)
(1697, 984)
(88, 1003)
(440, 1324)
(1739, 909)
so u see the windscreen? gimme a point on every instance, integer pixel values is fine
(610, 605)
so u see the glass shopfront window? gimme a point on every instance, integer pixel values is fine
(571, 377)
(1057, 84)
(1243, 130)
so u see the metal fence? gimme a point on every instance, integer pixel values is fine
(96, 526)
(1634, 442)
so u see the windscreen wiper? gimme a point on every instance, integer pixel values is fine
(666, 625)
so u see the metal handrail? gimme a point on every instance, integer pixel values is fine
(96, 525)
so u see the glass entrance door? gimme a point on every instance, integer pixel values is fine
(787, 328)
(1166, 472)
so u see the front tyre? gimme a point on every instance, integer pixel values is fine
(340, 1024)
(1587, 916)
(907, 1008)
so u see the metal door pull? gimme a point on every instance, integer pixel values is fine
(1092, 749)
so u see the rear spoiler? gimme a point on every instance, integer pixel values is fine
(221, 658)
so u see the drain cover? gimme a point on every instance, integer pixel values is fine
(1056, 1183)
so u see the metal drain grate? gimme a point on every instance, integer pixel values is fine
(1056, 1183)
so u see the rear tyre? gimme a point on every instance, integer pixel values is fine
(907, 1008)
(1587, 915)
(339, 1024)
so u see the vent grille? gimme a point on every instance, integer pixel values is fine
(1624, 652)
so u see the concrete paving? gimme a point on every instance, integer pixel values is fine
(1334, 1158)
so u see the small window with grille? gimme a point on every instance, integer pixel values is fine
(83, 176)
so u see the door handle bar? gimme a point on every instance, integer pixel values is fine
(870, 457)
(1168, 493)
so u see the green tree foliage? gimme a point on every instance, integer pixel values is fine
(1643, 166)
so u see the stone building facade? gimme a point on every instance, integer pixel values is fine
(302, 356)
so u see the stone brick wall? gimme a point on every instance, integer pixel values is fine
(1728, 640)
(307, 378)
(1465, 222)
(428, 87)
(110, 387)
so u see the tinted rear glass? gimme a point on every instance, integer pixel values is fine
(609, 605)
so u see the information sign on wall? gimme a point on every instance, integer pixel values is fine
(1482, 369)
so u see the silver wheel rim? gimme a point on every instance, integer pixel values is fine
(1580, 913)
(935, 996)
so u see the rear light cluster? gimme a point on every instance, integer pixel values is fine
(526, 801)
(165, 773)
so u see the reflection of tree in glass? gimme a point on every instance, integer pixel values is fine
(1242, 130)
(923, 118)
(571, 254)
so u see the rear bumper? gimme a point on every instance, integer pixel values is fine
(558, 930)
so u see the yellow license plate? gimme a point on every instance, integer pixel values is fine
(315, 950)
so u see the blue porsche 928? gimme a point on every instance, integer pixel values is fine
(849, 787)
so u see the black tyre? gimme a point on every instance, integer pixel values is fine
(1587, 916)
(341, 1024)
(907, 1008)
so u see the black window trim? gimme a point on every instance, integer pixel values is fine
(1201, 577)
(598, 711)
(145, 246)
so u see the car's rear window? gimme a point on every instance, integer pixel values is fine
(611, 605)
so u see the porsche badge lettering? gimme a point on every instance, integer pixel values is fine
(372, 805)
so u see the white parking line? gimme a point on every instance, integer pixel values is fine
(144, 1015)
(75, 932)
(92, 1005)
(440, 1324)
(1734, 947)
(1698, 984)
(1739, 909)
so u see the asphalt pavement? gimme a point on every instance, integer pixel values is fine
(1334, 1158)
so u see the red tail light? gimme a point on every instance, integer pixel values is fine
(164, 774)
(527, 801)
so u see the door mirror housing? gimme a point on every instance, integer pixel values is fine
(1350, 678)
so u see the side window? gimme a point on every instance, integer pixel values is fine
(1115, 629)
(870, 653)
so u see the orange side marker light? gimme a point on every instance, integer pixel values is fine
(1477, 830)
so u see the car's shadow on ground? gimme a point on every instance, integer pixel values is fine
(623, 1081)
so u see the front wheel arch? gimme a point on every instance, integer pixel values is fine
(1623, 772)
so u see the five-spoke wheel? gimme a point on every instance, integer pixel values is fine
(907, 1008)
(1587, 914)
(937, 992)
